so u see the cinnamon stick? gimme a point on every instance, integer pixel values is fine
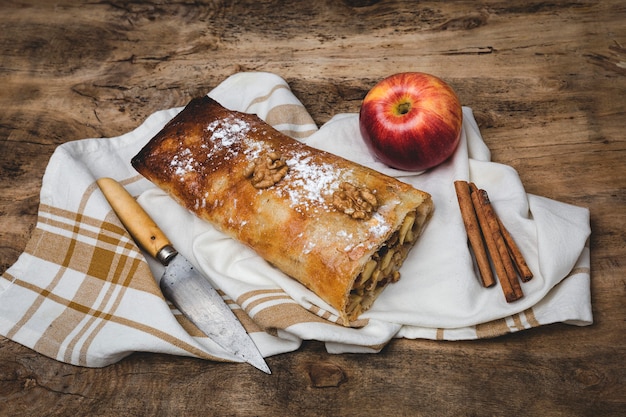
(474, 233)
(503, 251)
(510, 293)
(516, 255)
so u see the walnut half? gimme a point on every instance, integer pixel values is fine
(358, 203)
(266, 170)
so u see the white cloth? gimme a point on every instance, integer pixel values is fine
(438, 297)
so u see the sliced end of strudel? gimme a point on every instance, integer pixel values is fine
(341, 229)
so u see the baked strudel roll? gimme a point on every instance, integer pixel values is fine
(341, 229)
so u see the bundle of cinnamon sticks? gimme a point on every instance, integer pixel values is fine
(490, 240)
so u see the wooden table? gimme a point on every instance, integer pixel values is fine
(547, 83)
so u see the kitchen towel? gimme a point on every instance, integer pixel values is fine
(83, 293)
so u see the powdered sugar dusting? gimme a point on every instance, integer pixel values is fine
(378, 226)
(225, 140)
(228, 131)
(229, 136)
(183, 163)
(308, 183)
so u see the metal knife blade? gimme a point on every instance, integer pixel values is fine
(201, 304)
(181, 283)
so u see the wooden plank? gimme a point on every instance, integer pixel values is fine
(546, 82)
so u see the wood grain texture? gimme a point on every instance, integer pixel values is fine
(546, 82)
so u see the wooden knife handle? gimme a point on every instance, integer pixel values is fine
(134, 218)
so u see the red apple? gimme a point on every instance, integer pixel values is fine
(411, 121)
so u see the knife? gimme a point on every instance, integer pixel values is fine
(181, 283)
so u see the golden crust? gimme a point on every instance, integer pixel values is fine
(208, 157)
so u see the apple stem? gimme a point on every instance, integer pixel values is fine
(403, 108)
